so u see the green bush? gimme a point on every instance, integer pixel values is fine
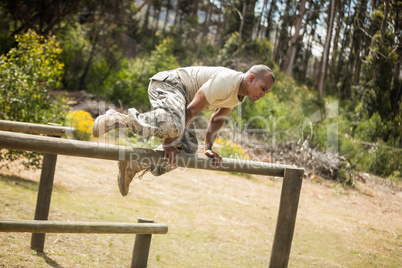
(130, 84)
(230, 47)
(372, 129)
(384, 161)
(28, 73)
(259, 51)
(226, 148)
(74, 54)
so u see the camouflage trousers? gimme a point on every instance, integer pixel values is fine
(167, 119)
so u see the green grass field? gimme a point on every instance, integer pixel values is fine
(215, 219)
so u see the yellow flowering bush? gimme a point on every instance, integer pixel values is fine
(82, 122)
(28, 74)
(229, 149)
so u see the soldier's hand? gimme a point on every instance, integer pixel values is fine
(217, 159)
(170, 152)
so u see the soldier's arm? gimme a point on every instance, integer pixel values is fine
(215, 124)
(198, 104)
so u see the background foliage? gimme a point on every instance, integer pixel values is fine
(323, 53)
(28, 73)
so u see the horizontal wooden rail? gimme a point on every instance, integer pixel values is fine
(50, 145)
(31, 128)
(37, 226)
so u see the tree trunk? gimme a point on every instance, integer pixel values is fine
(98, 30)
(176, 14)
(269, 28)
(281, 48)
(157, 10)
(242, 17)
(385, 21)
(167, 15)
(307, 53)
(358, 36)
(324, 59)
(195, 8)
(342, 67)
(207, 22)
(341, 15)
(294, 40)
(260, 18)
(397, 66)
(146, 19)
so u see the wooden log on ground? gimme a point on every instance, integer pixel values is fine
(31, 128)
(37, 226)
(42, 144)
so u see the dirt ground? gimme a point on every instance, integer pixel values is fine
(215, 219)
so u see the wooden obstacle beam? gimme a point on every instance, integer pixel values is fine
(50, 145)
(46, 226)
(48, 168)
(144, 230)
(31, 128)
(291, 187)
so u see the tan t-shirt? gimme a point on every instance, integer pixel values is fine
(220, 85)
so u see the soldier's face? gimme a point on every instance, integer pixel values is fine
(258, 88)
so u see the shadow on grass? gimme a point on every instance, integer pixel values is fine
(20, 182)
(48, 260)
(24, 183)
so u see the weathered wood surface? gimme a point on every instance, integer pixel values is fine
(44, 196)
(31, 128)
(286, 221)
(142, 245)
(38, 226)
(42, 144)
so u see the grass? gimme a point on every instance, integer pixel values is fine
(215, 220)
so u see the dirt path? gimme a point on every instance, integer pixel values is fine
(215, 219)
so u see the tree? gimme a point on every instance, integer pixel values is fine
(241, 18)
(260, 18)
(325, 54)
(28, 74)
(294, 40)
(352, 67)
(157, 6)
(283, 39)
(380, 62)
(168, 6)
(145, 26)
(40, 16)
(270, 23)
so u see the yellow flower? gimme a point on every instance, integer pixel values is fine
(82, 122)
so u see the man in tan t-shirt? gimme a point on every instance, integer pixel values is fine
(177, 97)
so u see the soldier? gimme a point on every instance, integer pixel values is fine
(177, 97)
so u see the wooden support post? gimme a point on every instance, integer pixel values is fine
(285, 224)
(44, 196)
(141, 247)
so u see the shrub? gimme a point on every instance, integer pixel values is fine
(131, 83)
(233, 53)
(226, 148)
(372, 129)
(74, 54)
(27, 74)
(82, 122)
(385, 161)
